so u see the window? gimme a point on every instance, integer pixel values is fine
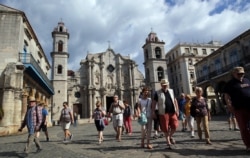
(192, 75)
(212, 50)
(195, 51)
(218, 65)
(204, 51)
(60, 46)
(160, 73)
(187, 50)
(59, 69)
(61, 29)
(110, 68)
(190, 62)
(147, 73)
(146, 54)
(233, 58)
(158, 53)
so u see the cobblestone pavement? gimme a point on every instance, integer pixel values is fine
(85, 144)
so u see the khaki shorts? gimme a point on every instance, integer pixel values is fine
(65, 125)
(117, 120)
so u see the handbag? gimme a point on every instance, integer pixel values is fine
(143, 119)
(106, 122)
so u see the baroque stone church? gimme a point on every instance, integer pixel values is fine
(100, 77)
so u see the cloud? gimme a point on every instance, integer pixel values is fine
(126, 23)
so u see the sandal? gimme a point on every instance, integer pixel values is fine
(169, 146)
(155, 136)
(149, 146)
(172, 141)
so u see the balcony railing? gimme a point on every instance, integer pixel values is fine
(27, 58)
(223, 70)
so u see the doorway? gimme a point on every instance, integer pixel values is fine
(77, 108)
(109, 101)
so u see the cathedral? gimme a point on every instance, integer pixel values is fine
(100, 77)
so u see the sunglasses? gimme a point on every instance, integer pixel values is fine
(240, 74)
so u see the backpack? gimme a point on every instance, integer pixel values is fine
(127, 111)
(97, 114)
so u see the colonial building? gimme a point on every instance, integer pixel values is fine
(181, 60)
(214, 70)
(23, 67)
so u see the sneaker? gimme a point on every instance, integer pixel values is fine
(65, 141)
(26, 151)
(236, 129)
(38, 150)
(248, 149)
(71, 136)
(155, 136)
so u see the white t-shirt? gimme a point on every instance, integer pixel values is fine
(146, 106)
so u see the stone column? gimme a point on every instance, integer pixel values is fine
(17, 108)
(89, 69)
(8, 107)
(24, 104)
(90, 103)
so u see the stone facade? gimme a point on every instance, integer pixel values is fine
(154, 61)
(23, 69)
(101, 76)
(59, 57)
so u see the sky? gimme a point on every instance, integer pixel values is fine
(127, 23)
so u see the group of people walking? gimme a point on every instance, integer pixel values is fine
(163, 109)
(36, 119)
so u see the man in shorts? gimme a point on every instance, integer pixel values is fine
(168, 111)
(43, 126)
(117, 108)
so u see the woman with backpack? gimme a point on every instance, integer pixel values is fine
(98, 115)
(145, 108)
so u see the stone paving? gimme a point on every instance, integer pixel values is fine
(85, 144)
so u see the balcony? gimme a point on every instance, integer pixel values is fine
(223, 70)
(34, 70)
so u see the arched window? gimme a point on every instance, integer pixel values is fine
(146, 54)
(60, 46)
(60, 29)
(59, 69)
(158, 53)
(160, 73)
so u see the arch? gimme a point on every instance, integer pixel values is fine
(59, 69)
(60, 46)
(160, 73)
(158, 53)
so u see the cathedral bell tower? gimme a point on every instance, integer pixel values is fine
(59, 57)
(154, 61)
